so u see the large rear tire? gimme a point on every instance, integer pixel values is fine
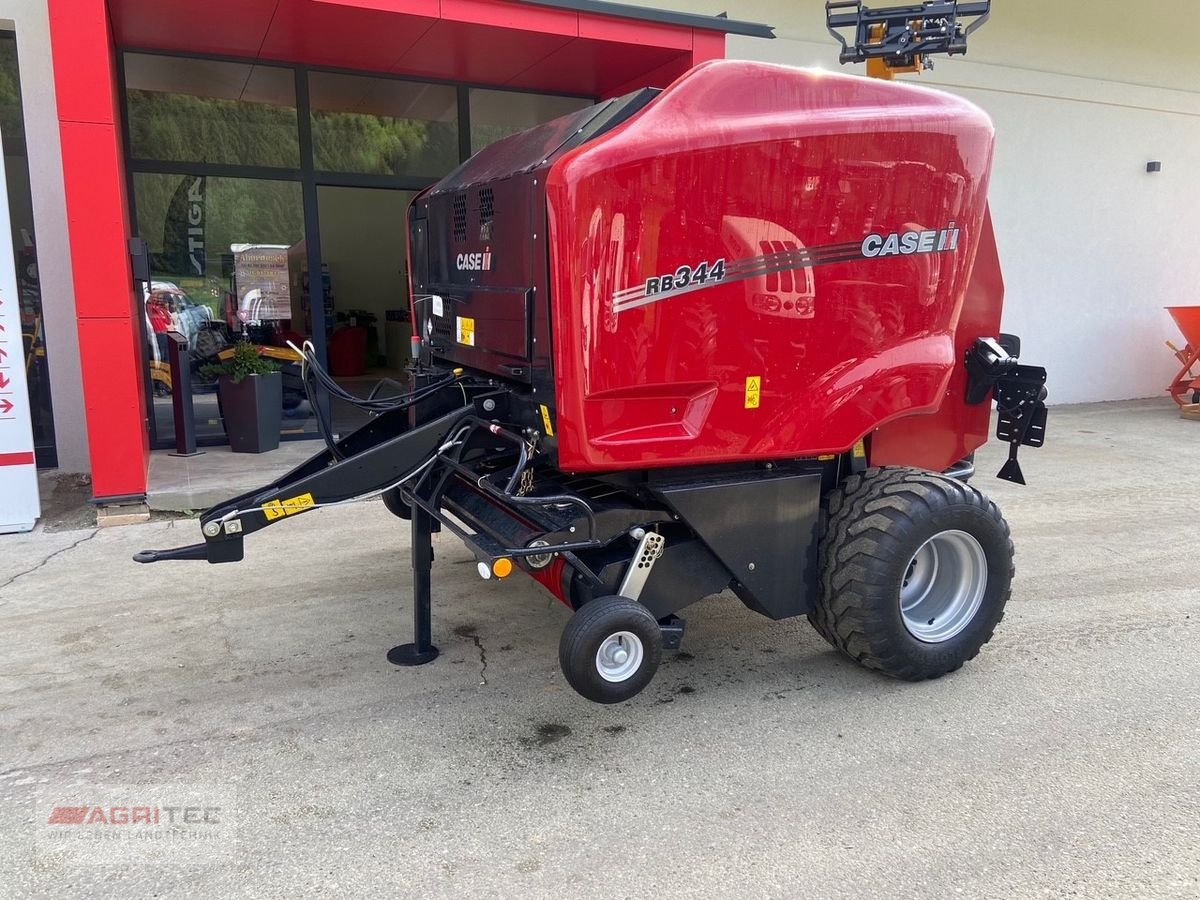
(916, 569)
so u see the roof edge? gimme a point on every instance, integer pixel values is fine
(663, 16)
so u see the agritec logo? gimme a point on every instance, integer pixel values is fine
(163, 824)
(135, 815)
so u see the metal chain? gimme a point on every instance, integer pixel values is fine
(526, 483)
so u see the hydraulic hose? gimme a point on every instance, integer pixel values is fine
(313, 374)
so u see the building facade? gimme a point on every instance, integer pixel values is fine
(261, 154)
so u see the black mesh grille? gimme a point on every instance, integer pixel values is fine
(459, 206)
(487, 206)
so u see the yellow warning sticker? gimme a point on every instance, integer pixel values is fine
(546, 420)
(753, 391)
(466, 331)
(275, 509)
(298, 504)
(860, 450)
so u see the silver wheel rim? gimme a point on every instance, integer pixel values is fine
(943, 586)
(620, 656)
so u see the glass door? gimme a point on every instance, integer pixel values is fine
(366, 289)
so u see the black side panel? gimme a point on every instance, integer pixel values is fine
(763, 527)
(486, 329)
(686, 572)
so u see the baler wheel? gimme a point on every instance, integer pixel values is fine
(610, 649)
(395, 505)
(916, 569)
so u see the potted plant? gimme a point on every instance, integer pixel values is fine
(250, 395)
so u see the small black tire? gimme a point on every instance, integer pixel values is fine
(591, 647)
(872, 528)
(395, 504)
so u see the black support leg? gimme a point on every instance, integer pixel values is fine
(421, 651)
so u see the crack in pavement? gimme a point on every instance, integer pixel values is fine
(58, 552)
(468, 631)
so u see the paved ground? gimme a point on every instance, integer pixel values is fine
(1063, 762)
(179, 483)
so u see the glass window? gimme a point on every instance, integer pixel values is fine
(228, 261)
(201, 110)
(497, 114)
(20, 209)
(379, 126)
(12, 125)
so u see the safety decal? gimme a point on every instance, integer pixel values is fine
(277, 509)
(466, 330)
(753, 391)
(546, 420)
(704, 275)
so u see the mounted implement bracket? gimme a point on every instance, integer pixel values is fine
(897, 39)
(1019, 392)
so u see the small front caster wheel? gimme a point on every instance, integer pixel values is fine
(610, 649)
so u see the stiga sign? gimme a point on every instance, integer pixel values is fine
(19, 508)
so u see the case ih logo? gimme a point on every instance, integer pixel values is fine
(906, 243)
(475, 262)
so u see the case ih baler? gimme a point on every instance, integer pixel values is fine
(725, 335)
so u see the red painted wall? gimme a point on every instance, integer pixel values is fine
(98, 225)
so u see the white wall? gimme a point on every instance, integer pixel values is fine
(30, 20)
(1083, 94)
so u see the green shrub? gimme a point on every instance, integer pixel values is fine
(245, 361)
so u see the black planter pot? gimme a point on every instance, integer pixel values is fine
(253, 412)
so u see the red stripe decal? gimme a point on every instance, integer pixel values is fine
(16, 459)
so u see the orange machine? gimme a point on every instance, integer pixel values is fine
(1186, 382)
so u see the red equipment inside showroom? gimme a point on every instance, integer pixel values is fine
(577, 48)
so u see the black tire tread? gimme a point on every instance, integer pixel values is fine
(854, 529)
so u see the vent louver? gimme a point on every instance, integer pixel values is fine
(459, 209)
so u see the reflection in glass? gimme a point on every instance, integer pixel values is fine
(380, 126)
(201, 110)
(497, 114)
(227, 263)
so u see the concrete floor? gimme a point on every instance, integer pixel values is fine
(1063, 762)
(190, 483)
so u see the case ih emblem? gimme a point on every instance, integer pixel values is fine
(475, 262)
(905, 243)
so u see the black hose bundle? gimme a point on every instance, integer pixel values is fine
(312, 374)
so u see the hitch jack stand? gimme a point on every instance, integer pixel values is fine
(421, 650)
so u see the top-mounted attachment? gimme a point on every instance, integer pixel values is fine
(901, 38)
